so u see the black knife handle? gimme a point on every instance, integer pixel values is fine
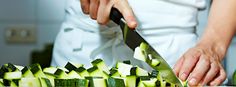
(115, 15)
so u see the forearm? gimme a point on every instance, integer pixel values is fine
(221, 25)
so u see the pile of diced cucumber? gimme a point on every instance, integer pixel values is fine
(76, 75)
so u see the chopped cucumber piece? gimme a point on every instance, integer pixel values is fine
(114, 72)
(82, 72)
(73, 74)
(115, 82)
(64, 69)
(12, 75)
(1, 83)
(37, 70)
(19, 67)
(29, 82)
(51, 77)
(26, 73)
(123, 69)
(72, 66)
(61, 74)
(155, 62)
(154, 73)
(94, 71)
(45, 82)
(139, 54)
(96, 82)
(130, 81)
(101, 65)
(50, 70)
(2, 71)
(138, 71)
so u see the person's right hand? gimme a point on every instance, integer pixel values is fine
(100, 10)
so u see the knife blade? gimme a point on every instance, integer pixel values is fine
(133, 39)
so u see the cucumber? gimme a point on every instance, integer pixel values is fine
(114, 72)
(14, 83)
(51, 77)
(138, 71)
(2, 71)
(94, 71)
(50, 70)
(37, 70)
(115, 82)
(1, 83)
(139, 54)
(97, 82)
(45, 82)
(234, 78)
(82, 72)
(11, 67)
(72, 66)
(130, 81)
(19, 67)
(12, 75)
(71, 83)
(123, 69)
(155, 62)
(26, 73)
(29, 82)
(61, 74)
(64, 69)
(73, 74)
(101, 65)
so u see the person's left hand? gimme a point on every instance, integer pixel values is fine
(201, 65)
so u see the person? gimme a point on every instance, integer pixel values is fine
(168, 25)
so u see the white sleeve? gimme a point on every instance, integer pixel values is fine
(196, 3)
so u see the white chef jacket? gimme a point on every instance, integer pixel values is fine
(168, 25)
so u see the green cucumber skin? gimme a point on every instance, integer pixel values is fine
(115, 82)
(69, 66)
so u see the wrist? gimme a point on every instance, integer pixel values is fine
(211, 40)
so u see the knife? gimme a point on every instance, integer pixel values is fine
(133, 39)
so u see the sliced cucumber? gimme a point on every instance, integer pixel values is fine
(115, 82)
(97, 82)
(73, 74)
(101, 65)
(82, 72)
(51, 77)
(50, 70)
(114, 72)
(1, 83)
(26, 73)
(45, 82)
(94, 71)
(123, 69)
(139, 54)
(155, 62)
(2, 71)
(130, 81)
(12, 75)
(61, 74)
(71, 66)
(138, 71)
(29, 82)
(37, 70)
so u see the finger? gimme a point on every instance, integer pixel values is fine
(85, 6)
(177, 66)
(210, 74)
(199, 71)
(127, 13)
(93, 9)
(103, 15)
(190, 60)
(219, 79)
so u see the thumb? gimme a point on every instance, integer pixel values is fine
(127, 12)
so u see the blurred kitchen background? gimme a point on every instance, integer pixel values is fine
(28, 29)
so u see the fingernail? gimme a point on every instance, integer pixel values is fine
(183, 76)
(133, 24)
(193, 81)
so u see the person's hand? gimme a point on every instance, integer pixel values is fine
(100, 10)
(201, 65)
